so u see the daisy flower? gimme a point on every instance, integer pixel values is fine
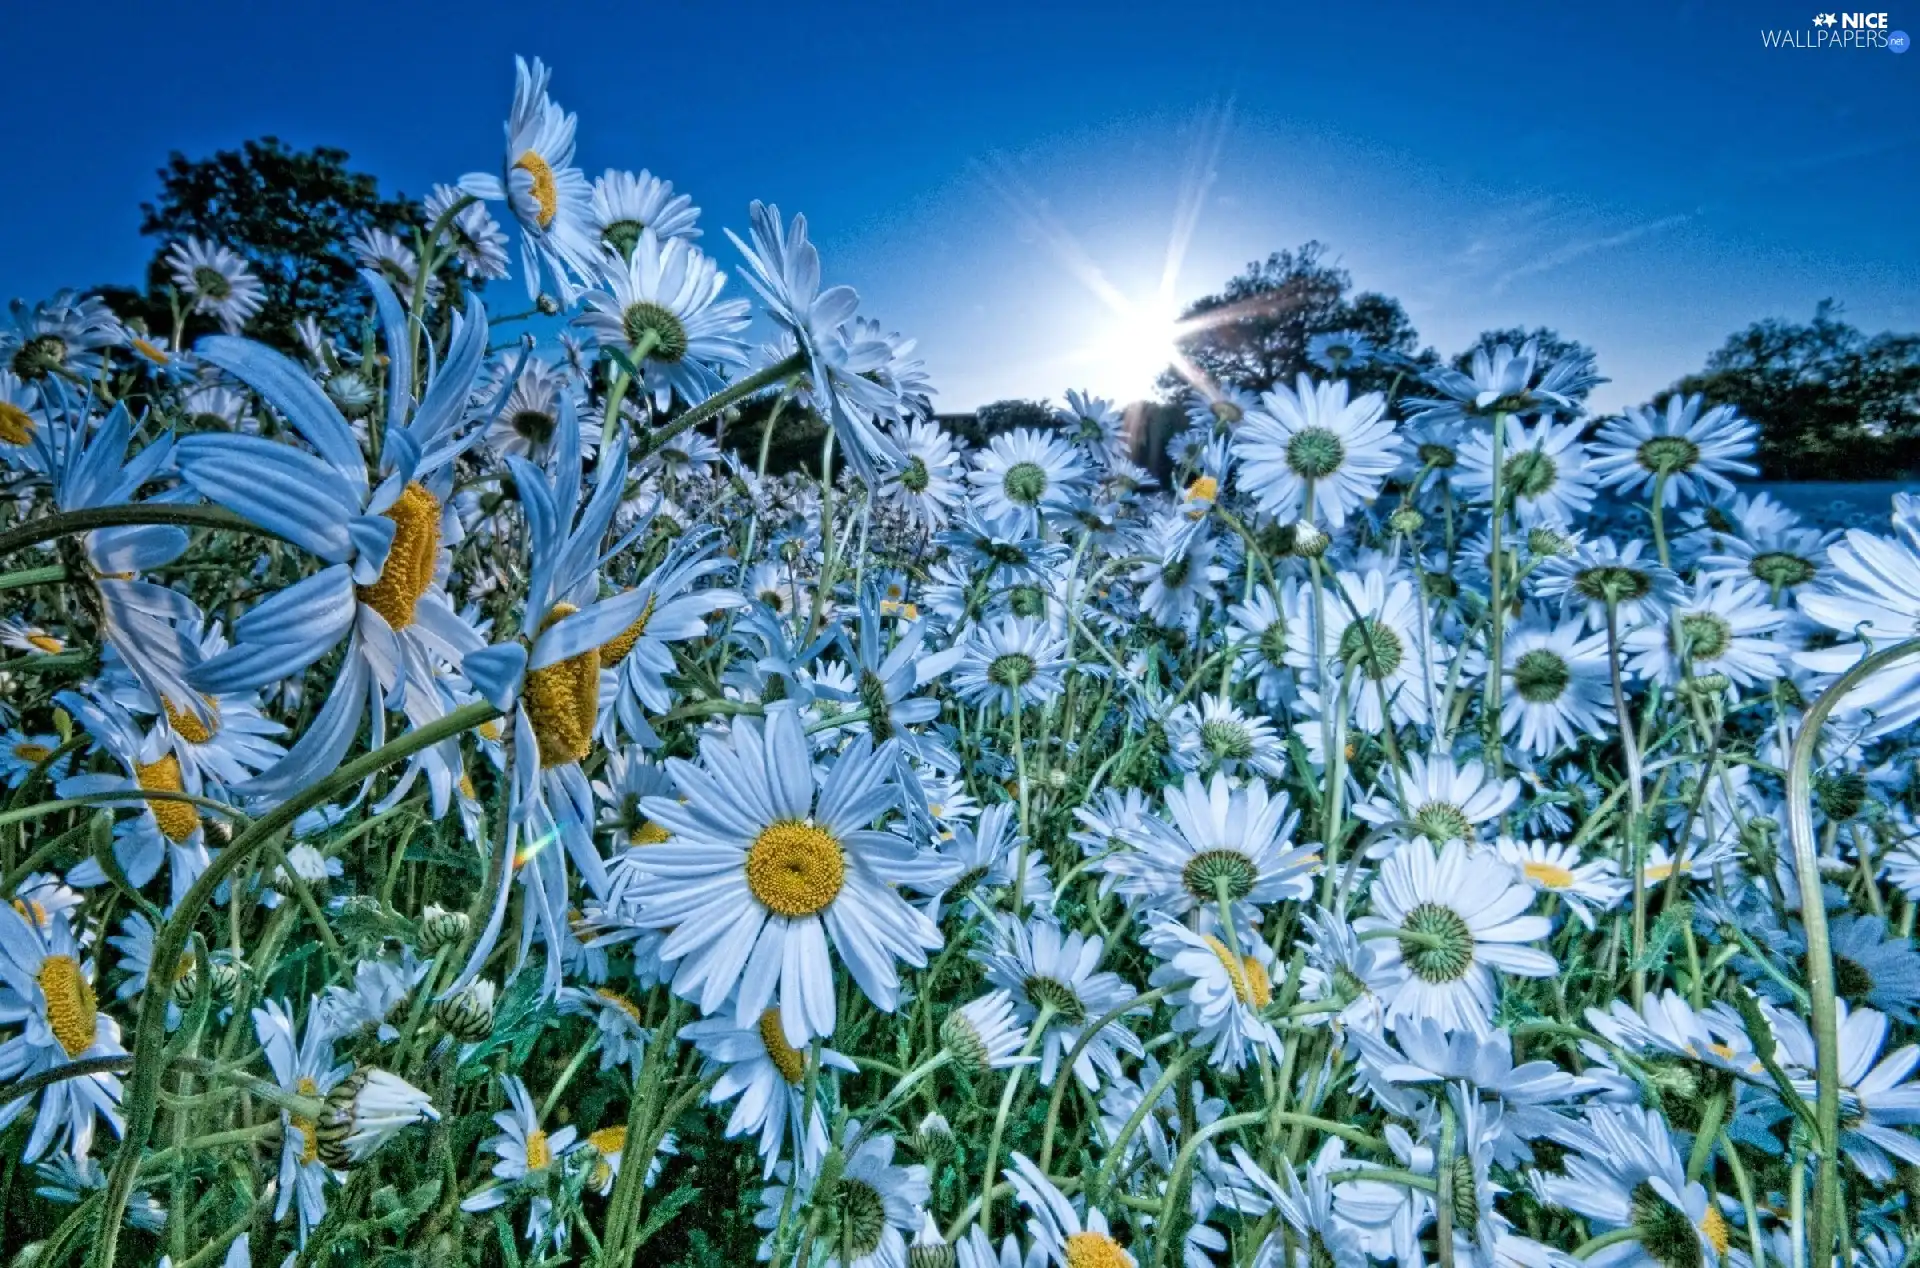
(527, 422)
(769, 860)
(1442, 925)
(23, 752)
(616, 1019)
(1337, 351)
(626, 205)
(1505, 380)
(228, 741)
(1880, 1101)
(1556, 688)
(1601, 574)
(1771, 546)
(527, 1154)
(928, 484)
(1629, 1176)
(219, 281)
(1872, 966)
(479, 243)
(304, 1067)
(548, 195)
(1011, 662)
(1718, 629)
(1026, 477)
(1070, 1239)
(985, 1034)
(784, 268)
(1585, 886)
(1375, 628)
(1681, 450)
(1259, 627)
(62, 335)
(663, 308)
(1543, 472)
(49, 994)
(1056, 984)
(1220, 992)
(1312, 454)
(673, 606)
(1094, 423)
(869, 1213)
(1226, 843)
(1874, 597)
(1320, 1238)
(1216, 736)
(382, 252)
(1177, 581)
(768, 1075)
(1445, 800)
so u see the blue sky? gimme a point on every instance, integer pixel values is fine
(1645, 177)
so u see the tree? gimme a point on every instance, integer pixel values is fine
(1831, 402)
(1255, 332)
(1553, 347)
(999, 416)
(291, 213)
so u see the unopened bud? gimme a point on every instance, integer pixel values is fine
(1309, 542)
(468, 1016)
(934, 1137)
(440, 929)
(929, 1249)
(1406, 521)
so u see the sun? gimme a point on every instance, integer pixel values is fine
(1133, 348)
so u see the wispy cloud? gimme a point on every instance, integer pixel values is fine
(1581, 247)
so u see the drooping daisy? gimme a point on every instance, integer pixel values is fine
(1460, 916)
(303, 1066)
(663, 308)
(1221, 990)
(526, 424)
(1601, 575)
(1094, 423)
(1010, 663)
(673, 607)
(548, 195)
(218, 281)
(1375, 629)
(1880, 1100)
(1320, 1238)
(1718, 629)
(64, 335)
(49, 994)
(1556, 688)
(1312, 454)
(768, 1074)
(1445, 800)
(1177, 581)
(868, 1215)
(626, 205)
(1505, 380)
(1543, 472)
(1026, 477)
(1681, 449)
(770, 859)
(616, 1018)
(1058, 986)
(527, 1154)
(985, 1034)
(1216, 736)
(1584, 885)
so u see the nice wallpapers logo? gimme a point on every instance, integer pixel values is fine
(1840, 31)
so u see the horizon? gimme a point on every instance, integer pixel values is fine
(1664, 181)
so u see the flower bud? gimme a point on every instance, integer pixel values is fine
(1406, 521)
(934, 1137)
(363, 1112)
(468, 1016)
(440, 929)
(929, 1249)
(1309, 542)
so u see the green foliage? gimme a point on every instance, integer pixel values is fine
(1832, 402)
(291, 213)
(1258, 326)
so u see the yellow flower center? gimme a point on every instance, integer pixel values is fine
(545, 192)
(608, 1141)
(190, 728)
(1251, 985)
(563, 700)
(28, 751)
(308, 1129)
(47, 643)
(795, 868)
(787, 1059)
(491, 731)
(1204, 489)
(32, 909)
(150, 350)
(1095, 1250)
(620, 1002)
(1547, 875)
(1659, 871)
(409, 567)
(539, 1155)
(71, 1010)
(16, 425)
(893, 607)
(615, 649)
(648, 833)
(1714, 1228)
(1721, 1051)
(466, 787)
(177, 819)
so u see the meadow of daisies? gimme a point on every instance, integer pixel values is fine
(456, 813)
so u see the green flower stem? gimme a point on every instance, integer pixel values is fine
(1118, 1148)
(1386, 1175)
(1813, 915)
(924, 1070)
(1658, 501)
(1443, 1186)
(1711, 1117)
(120, 801)
(1182, 1163)
(987, 1173)
(1100, 1023)
(1744, 1184)
(1589, 1248)
(34, 532)
(20, 580)
(726, 397)
(143, 1085)
(1496, 605)
(1026, 829)
(1636, 803)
